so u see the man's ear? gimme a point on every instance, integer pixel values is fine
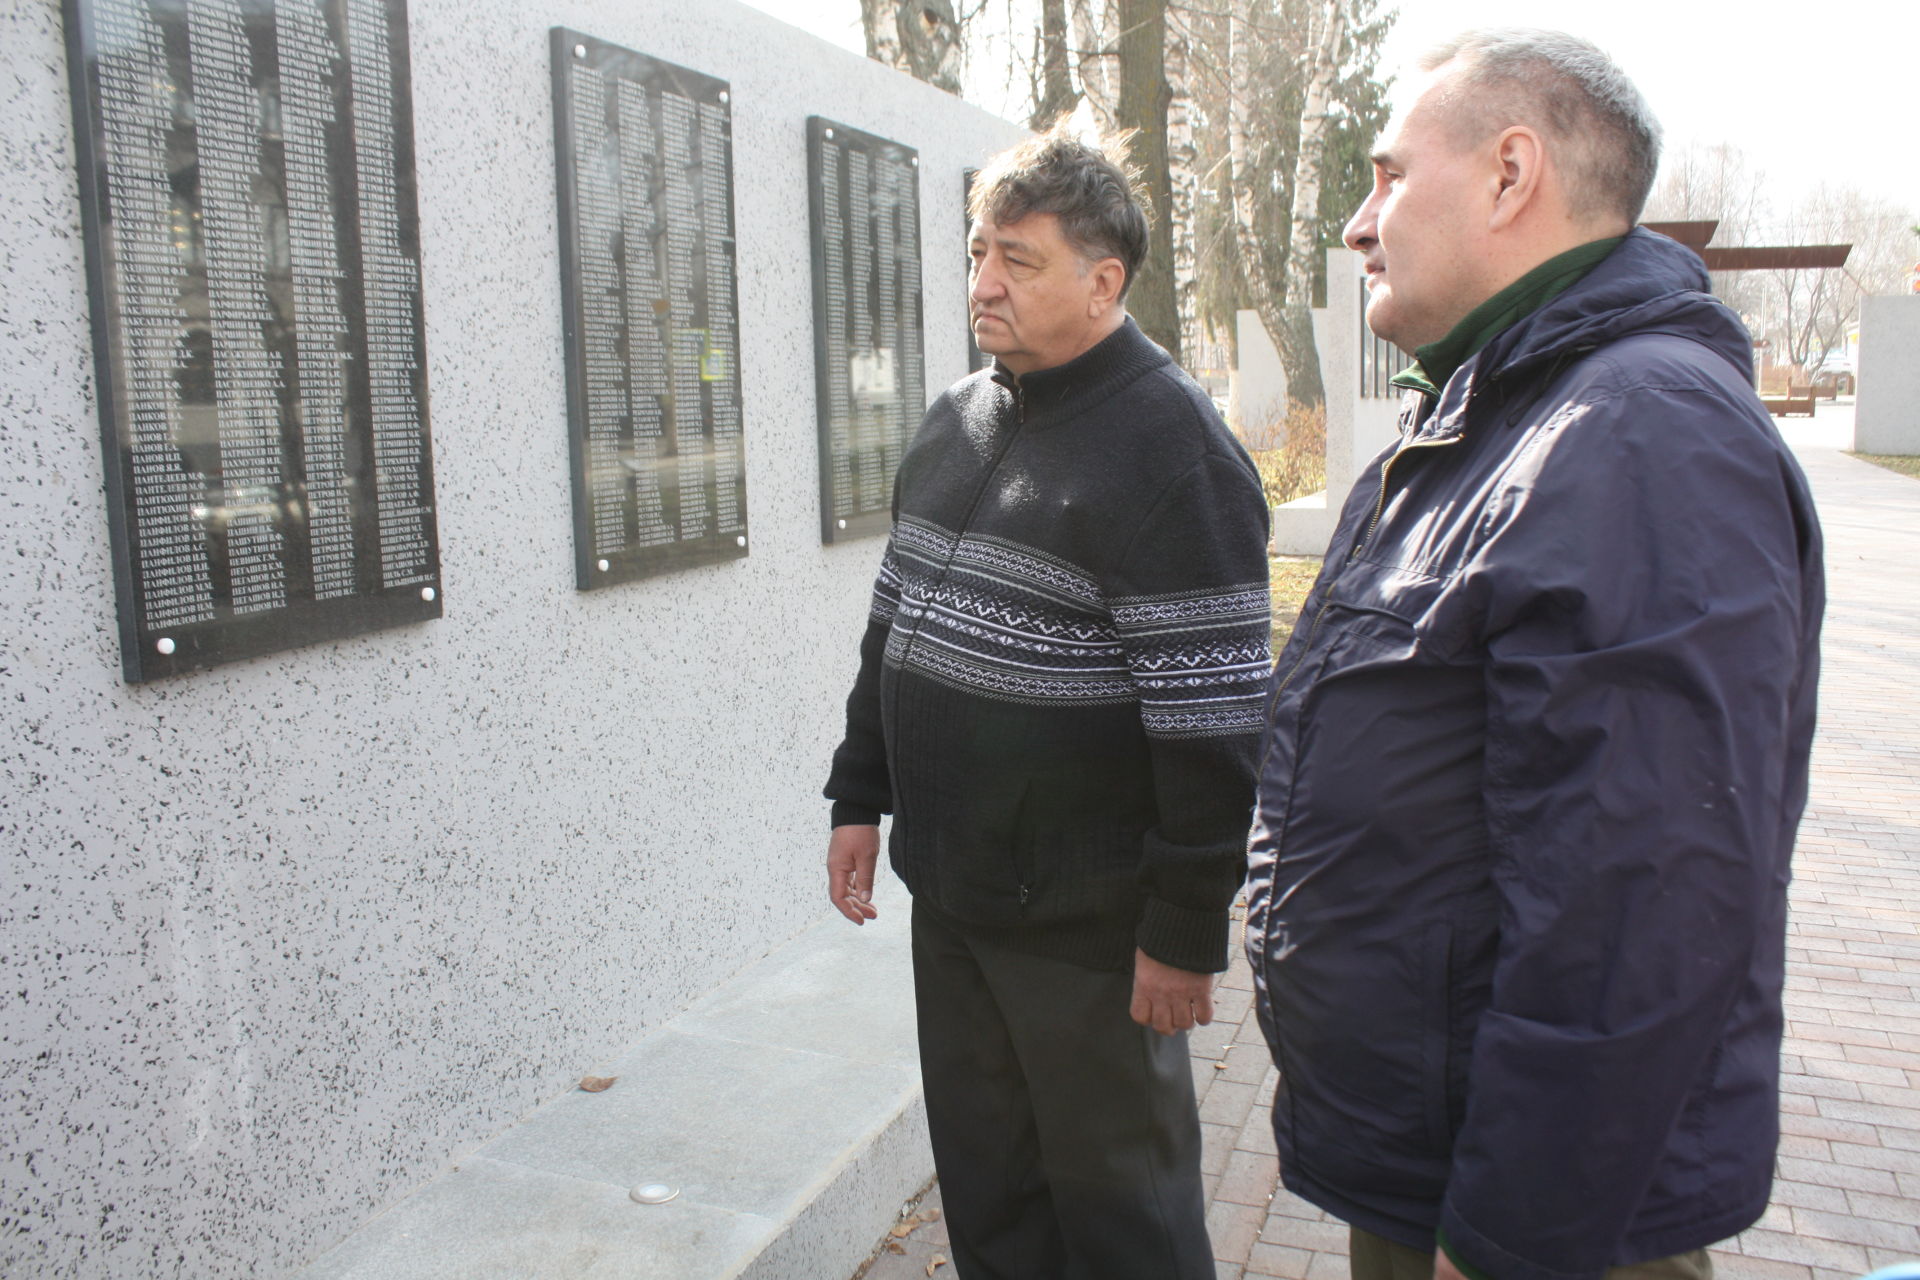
(1520, 159)
(1108, 275)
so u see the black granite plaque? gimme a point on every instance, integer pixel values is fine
(645, 164)
(247, 192)
(869, 374)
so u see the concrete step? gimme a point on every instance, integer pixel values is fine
(784, 1107)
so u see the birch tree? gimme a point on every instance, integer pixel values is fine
(1298, 352)
(1182, 176)
(1244, 180)
(922, 38)
(1095, 54)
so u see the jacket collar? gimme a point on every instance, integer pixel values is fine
(1648, 284)
(1088, 378)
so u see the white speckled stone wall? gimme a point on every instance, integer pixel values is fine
(280, 939)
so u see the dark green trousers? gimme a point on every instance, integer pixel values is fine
(1375, 1257)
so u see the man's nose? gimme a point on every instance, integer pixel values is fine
(985, 283)
(1360, 232)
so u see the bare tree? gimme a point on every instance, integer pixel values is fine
(1244, 180)
(1183, 178)
(1142, 110)
(1096, 43)
(1816, 308)
(919, 37)
(1302, 105)
(1803, 314)
(1053, 92)
(1716, 183)
(1298, 352)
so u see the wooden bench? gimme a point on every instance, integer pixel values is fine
(1798, 400)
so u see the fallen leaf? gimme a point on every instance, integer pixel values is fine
(597, 1084)
(931, 1215)
(894, 1246)
(1219, 1066)
(901, 1230)
(939, 1261)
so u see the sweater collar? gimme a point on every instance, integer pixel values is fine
(1088, 378)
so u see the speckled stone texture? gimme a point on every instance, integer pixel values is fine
(283, 939)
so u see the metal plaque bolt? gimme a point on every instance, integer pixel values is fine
(843, 524)
(725, 97)
(604, 566)
(829, 135)
(164, 644)
(653, 1193)
(579, 51)
(914, 161)
(740, 541)
(428, 593)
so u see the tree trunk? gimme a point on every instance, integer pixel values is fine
(880, 20)
(921, 38)
(1298, 351)
(1267, 301)
(930, 35)
(1143, 106)
(1093, 39)
(1054, 96)
(1181, 159)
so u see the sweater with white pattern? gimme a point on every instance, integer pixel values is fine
(1060, 689)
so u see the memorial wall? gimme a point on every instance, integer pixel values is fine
(312, 370)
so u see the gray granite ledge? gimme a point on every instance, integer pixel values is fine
(784, 1106)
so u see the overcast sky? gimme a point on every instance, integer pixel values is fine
(1810, 91)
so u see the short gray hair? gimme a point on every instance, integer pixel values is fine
(1572, 91)
(1088, 186)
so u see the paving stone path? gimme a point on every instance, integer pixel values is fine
(1846, 1198)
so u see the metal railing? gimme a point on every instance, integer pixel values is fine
(1379, 359)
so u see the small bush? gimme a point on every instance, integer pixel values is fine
(1290, 453)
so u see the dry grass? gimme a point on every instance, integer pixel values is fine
(1291, 577)
(1291, 454)
(1905, 464)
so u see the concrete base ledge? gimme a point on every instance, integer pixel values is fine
(784, 1106)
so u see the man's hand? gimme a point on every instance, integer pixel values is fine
(850, 858)
(1168, 999)
(1443, 1268)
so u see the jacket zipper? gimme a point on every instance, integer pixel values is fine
(1380, 500)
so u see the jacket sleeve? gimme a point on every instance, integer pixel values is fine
(1650, 587)
(1190, 604)
(859, 784)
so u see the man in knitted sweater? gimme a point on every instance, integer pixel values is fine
(1059, 701)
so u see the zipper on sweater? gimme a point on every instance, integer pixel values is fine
(966, 521)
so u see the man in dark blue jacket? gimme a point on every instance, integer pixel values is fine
(1538, 747)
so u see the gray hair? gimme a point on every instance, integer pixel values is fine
(1089, 187)
(1572, 91)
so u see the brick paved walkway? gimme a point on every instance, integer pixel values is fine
(1847, 1198)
